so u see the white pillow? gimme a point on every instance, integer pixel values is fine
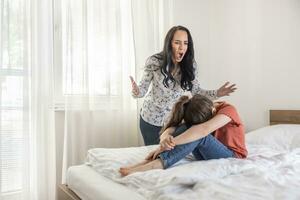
(282, 136)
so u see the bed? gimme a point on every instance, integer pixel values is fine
(271, 171)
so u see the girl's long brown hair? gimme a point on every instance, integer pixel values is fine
(193, 111)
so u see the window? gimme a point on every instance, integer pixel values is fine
(13, 115)
(94, 45)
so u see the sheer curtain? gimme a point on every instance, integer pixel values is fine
(99, 53)
(151, 21)
(27, 149)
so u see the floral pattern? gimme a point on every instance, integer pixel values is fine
(159, 100)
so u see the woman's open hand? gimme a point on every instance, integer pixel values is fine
(135, 88)
(226, 89)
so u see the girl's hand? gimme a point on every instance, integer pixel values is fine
(226, 89)
(135, 88)
(168, 131)
(167, 142)
(153, 154)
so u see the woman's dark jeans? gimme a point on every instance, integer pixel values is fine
(149, 132)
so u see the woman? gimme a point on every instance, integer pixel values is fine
(201, 117)
(172, 73)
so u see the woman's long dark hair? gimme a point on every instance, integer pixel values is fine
(186, 65)
(193, 111)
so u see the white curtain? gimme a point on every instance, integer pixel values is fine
(27, 149)
(99, 53)
(151, 21)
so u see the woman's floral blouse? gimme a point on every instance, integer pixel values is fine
(159, 100)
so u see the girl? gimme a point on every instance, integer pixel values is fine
(172, 72)
(201, 117)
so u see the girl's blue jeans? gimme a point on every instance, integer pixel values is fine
(203, 149)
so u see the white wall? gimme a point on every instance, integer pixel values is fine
(253, 43)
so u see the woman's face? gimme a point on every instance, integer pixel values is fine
(179, 45)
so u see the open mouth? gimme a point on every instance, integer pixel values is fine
(179, 56)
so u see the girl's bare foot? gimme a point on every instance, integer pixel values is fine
(124, 171)
(155, 164)
(134, 166)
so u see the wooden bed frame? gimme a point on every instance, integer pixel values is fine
(284, 117)
(276, 117)
(64, 193)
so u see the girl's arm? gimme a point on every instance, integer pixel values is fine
(166, 139)
(201, 130)
(167, 132)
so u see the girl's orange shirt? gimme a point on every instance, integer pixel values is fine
(232, 134)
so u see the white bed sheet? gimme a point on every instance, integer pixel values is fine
(267, 173)
(90, 185)
(271, 171)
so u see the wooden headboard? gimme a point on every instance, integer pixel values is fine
(284, 117)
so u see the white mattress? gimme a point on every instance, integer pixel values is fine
(90, 185)
(271, 171)
(266, 174)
